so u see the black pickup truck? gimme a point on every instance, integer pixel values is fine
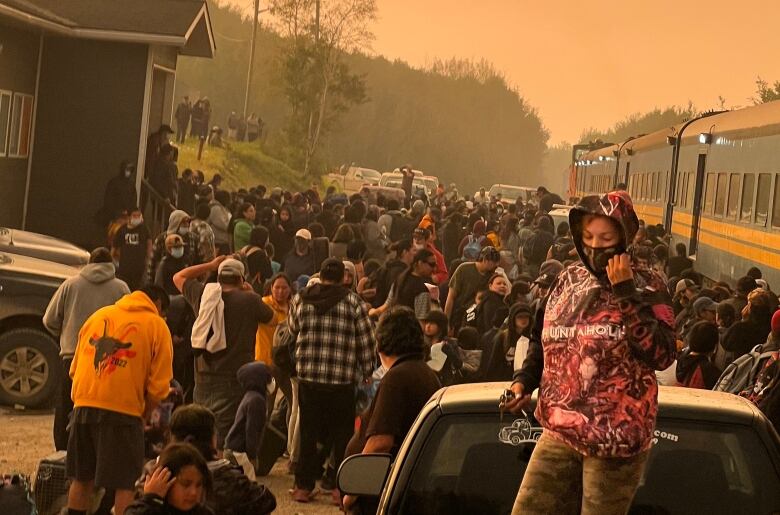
(30, 368)
(713, 453)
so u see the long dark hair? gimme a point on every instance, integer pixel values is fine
(176, 456)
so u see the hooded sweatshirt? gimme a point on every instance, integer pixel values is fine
(244, 436)
(595, 347)
(77, 299)
(124, 353)
(696, 371)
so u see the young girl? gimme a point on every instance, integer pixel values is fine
(177, 486)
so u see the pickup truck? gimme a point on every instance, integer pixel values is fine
(351, 180)
(30, 367)
(712, 453)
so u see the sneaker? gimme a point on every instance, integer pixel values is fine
(301, 495)
(336, 494)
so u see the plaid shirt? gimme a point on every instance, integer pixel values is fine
(205, 235)
(335, 348)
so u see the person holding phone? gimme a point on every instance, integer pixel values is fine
(605, 327)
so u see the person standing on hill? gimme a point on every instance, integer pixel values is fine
(182, 115)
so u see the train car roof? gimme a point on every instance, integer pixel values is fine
(653, 140)
(760, 120)
(594, 155)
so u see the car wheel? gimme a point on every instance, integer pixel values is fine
(30, 368)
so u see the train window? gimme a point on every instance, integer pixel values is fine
(776, 204)
(680, 198)
(720, 194)
(709, 193)
(748, 187)
(691, 191)
(654, 191)
(665, 191)
(643, 184)
(762, 198)
(732, 206)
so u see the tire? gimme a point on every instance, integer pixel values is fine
(38, 382)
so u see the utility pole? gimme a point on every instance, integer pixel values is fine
(251, 57)
(317, 24)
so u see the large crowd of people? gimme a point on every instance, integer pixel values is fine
(308, 310)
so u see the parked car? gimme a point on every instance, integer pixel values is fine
(25, 243)
(387, 192)
(712, 453)
(395, 180)
(510, 194)
(353, 179)
(30, 369)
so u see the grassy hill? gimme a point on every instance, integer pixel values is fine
(241, 165)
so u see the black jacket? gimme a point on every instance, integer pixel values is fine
(152, 504)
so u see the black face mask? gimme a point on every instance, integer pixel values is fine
(599, 257)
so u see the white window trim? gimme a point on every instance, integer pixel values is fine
(29, 128)
(10, 95)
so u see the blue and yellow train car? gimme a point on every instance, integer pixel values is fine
(713, 182)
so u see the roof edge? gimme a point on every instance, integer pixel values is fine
(98, 34)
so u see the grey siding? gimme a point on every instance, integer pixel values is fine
(18, 67)
(89, 119)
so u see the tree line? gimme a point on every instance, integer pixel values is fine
(457, 119)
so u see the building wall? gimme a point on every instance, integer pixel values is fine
(90, 104)
(18, 67)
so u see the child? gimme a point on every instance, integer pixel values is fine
(177, 485)
(233, 492)
(694, 368)
(243, 439)
(515, 338)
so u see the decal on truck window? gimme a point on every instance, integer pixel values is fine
(519, 432)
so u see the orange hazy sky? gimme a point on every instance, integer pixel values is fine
(590, 63)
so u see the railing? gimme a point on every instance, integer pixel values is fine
(156, 208)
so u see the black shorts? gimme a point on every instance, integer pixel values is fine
(105, 446)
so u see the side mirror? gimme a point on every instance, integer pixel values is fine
(364, 474)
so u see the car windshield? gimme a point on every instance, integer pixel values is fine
(466, 468)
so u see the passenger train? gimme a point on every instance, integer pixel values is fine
(713, 182)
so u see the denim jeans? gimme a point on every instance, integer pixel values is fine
(222, 395)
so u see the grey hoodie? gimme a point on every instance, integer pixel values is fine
(78, 298)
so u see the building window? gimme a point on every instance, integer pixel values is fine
(5, 116)
(21, 122)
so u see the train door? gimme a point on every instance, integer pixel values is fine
(698, 203)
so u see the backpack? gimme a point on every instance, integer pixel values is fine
(400, 228)
(472, 248)
(283, 353)
(742, 372)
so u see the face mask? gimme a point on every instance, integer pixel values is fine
(177, 252)
(184, 230)
(599, 257)
(128, 173)
(135, 221)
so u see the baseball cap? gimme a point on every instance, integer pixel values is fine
(489, 253)
(704, 304)
(682, 285)
(173, 241)
(231, 268)
(303, 233)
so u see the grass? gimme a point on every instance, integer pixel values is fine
(241, 165)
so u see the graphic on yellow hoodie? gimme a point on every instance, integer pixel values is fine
(124, 354)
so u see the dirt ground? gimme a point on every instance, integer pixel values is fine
(25, 438)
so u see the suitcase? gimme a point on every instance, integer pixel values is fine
(50, 487)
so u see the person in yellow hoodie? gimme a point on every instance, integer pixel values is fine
(279, 302)
(121, 370)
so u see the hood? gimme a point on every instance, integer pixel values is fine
(686, 364)
(175, 220)
(254, 376)
(25, 243)
(479, 228)
(418, 206)
(616, 205)
(136, 301)
(323, 296)
(98, 272)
